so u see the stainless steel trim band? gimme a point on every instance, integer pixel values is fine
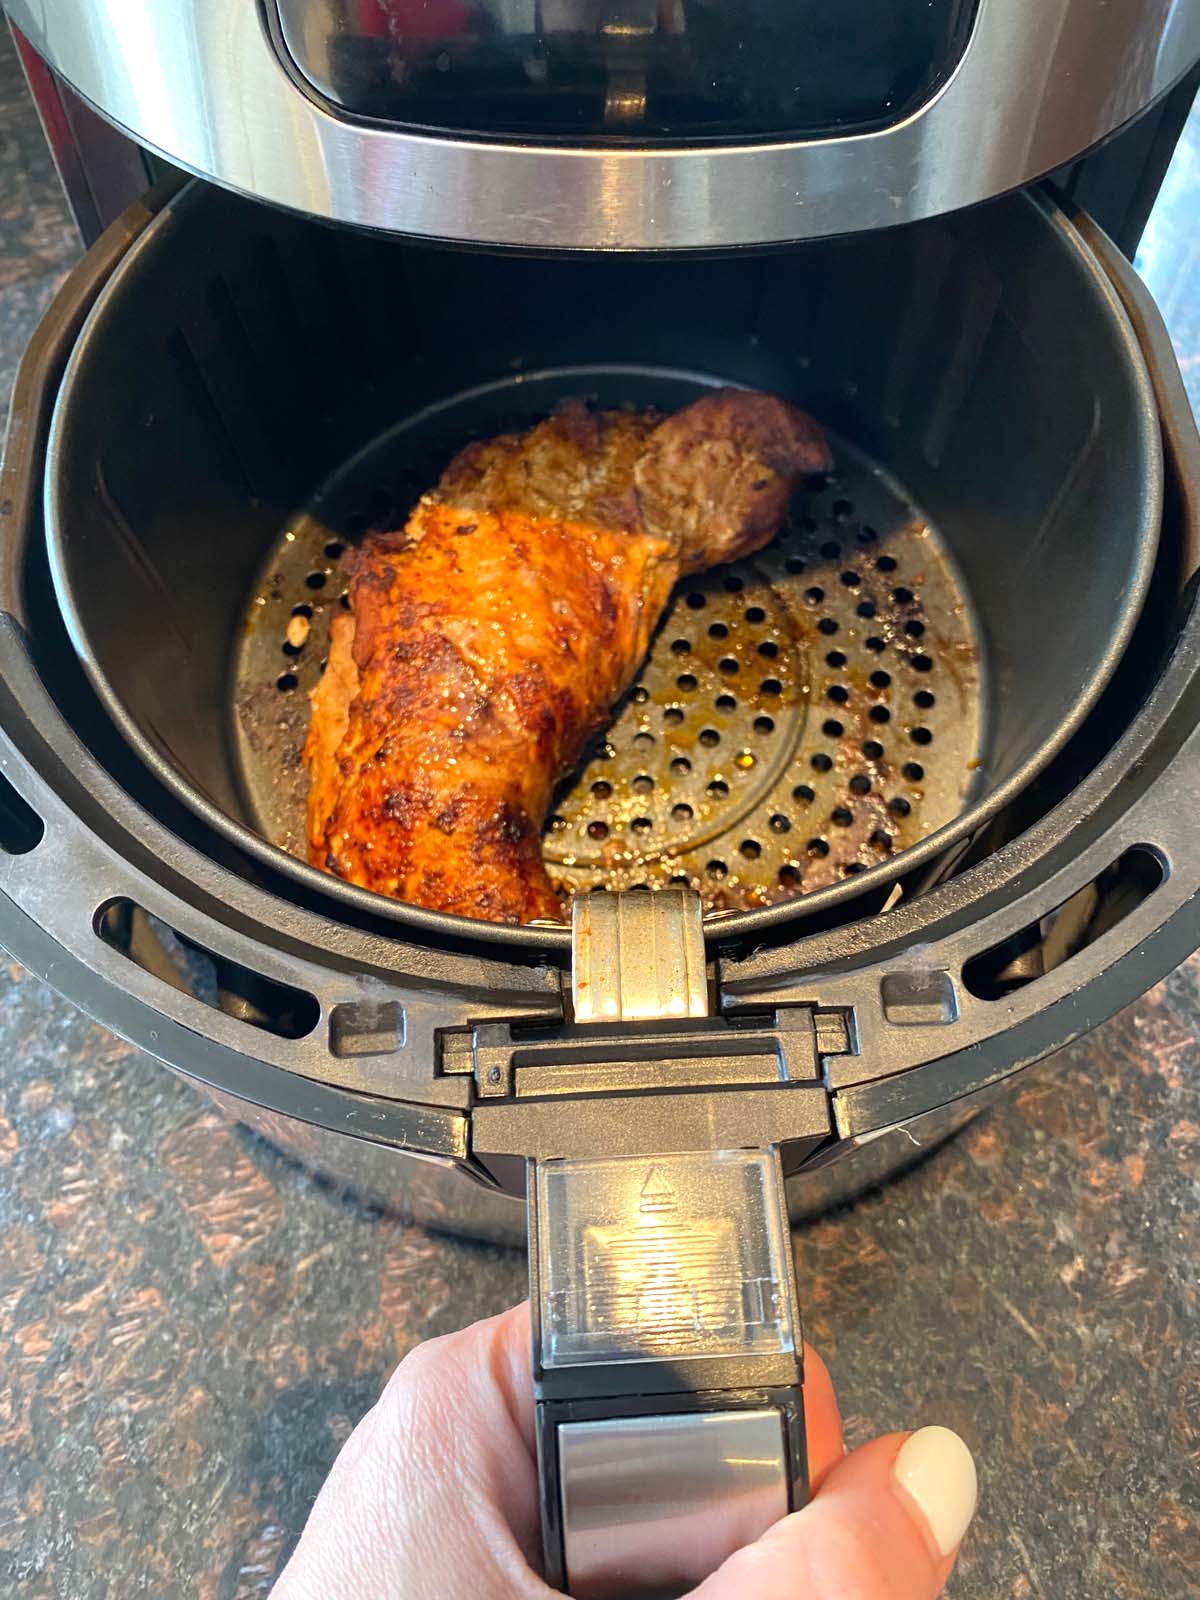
(666, 1495)
(200, 82)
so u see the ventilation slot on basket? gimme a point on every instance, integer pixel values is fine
(216, 980)
(21, 829)
(1054, 939)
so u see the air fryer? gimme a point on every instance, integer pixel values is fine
(894, 808)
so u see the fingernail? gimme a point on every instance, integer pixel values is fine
(938, 1471)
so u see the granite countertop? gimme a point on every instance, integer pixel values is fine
(190, 1325)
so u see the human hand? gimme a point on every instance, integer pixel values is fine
(434, 1496)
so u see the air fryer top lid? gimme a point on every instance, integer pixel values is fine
(618, 124)
(672, 69)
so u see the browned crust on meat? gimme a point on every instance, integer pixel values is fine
(331, 701)
(485, 661)
(577, 465)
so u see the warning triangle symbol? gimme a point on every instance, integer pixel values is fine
(657, 1193)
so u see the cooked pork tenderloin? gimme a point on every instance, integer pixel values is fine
(489, 638)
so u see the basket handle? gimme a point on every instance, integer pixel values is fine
(667, 1347)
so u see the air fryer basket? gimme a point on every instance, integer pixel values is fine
(248, 383)
(338, 1024)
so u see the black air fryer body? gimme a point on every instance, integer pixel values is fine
(376, 1000)
(222, 377)
(1003, 366)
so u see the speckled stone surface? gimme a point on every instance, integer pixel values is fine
(189, 1325)
(38, 243)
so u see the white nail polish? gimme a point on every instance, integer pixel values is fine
(938, 1471)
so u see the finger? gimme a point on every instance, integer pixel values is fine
(434, 1495)
(491, 1360)
(822, 1420)
(472, 1392)
(886, 1525)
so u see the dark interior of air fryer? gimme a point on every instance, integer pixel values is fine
(894, 679)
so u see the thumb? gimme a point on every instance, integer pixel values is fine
(885, 1525)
